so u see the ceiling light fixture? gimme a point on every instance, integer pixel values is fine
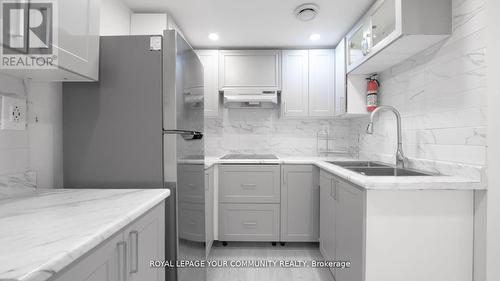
(306, 12)
(213, 36)
(315, 36)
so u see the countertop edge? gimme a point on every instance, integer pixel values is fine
(367, 183)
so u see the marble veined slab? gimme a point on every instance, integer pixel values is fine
(43, 232)
(15, 184)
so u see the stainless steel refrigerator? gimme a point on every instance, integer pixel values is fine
(141, 126)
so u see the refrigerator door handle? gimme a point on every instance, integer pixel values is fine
(187, 135)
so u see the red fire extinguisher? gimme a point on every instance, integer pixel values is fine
(372, 93)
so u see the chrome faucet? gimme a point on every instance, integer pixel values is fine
(400, 157)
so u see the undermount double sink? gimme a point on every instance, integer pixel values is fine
(369, 168)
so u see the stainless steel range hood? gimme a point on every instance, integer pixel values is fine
(250, 99)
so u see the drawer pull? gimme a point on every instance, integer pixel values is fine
(250, 224)
(134, 251)
(248, 186)
(122, 260)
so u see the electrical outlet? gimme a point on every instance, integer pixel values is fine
(13, 113)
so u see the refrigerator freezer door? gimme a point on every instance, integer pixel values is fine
(112, 129)
(184, 155)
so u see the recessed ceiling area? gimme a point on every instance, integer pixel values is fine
(257, 23)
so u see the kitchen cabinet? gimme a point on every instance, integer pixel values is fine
(362, 225)
(308, 83)
(250, 69)
(321, 83)
(342, 225)
(145, 240)
(249, 222)
(77, 44)
(394, 30)
(299, 203)
(295, 92)
(209, 208)
(192, 192)
(192, 221)
(126, 255)
(249, 202)
(249, 184)
(327, 216)
(350, 90)
(349, 229)
(210, 62)
(191, 184)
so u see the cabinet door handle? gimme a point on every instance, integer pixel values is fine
(248, 186)
(250, 224)
(284, 176)
(332, 186)
(122, 260)
(335, 195)
(134, 251)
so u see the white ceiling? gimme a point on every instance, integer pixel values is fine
(256, 23)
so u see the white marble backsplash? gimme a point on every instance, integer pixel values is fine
(263, 131)
(441, 94)
(17, 184)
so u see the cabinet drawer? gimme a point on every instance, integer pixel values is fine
(249, 184)
(190, 182)
(249, 222)
(192, 222)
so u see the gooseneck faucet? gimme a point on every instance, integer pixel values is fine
(400, 157)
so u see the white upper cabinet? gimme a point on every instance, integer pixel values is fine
(394, 30)
(250, 69)
(295, 92)
(308, 83)
(321, 83)
(350, 90)
(340, 79)
(75, 42)
(79, 37)
(210, 61)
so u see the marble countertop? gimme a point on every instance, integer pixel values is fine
(44, 231)
(440, 182)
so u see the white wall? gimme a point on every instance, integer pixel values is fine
(115, 18)
(39, 148)
(493, 196)
(441, 94)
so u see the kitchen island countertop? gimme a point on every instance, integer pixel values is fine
(44, 231)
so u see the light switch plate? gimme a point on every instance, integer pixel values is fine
(13, 113)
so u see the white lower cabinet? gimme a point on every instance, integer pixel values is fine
(299, 203)
(249, 183)
(126, 255)
(249, 222)
(268, 203)
(349, 229)
(249, 208)
(327, 216)
(384, 234)
(342, 225)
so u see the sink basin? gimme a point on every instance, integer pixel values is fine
(383, 171)
(347, 164)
